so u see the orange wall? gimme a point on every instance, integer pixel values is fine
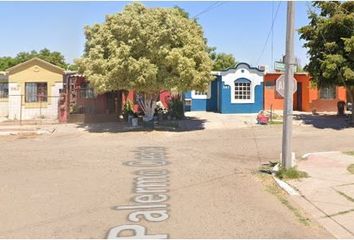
(310, 95)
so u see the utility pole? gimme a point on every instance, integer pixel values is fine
(289, 73)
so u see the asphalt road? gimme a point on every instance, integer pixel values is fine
(70, 184)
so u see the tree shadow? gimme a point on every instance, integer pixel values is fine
(323, 121)
(185, 125)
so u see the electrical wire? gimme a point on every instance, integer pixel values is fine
(211, 7)
(270, 31)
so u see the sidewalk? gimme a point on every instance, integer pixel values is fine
(328, 194)
(6, 130)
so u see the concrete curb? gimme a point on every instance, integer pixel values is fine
(286, 187)
(306, 155)
(27, 131)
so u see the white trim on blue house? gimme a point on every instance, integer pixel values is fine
(221, 92)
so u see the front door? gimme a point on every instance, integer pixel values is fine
(298, 98)
(113, 102)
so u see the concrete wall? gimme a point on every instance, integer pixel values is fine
(310, 100)
(47, 110)
(4, 107)
(206, 102)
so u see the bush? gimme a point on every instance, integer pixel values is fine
(175, 107)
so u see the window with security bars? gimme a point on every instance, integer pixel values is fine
(86, 91)
(36, 92)
(328, 93)
(242, 90)
(4, 90)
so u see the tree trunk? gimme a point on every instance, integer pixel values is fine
(148, 106)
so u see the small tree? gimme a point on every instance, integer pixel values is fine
(329, 38)
(221, 61)
(147, 50)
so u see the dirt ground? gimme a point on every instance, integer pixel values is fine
(69, 183)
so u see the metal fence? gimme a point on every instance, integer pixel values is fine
(21, 108)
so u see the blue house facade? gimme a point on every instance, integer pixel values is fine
(234, 90)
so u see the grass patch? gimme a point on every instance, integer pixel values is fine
(273, 188)
(350, 153)
(351, 168)
(291, 173)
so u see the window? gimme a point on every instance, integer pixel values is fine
(4, 90)
(86, 91)
(328, 93)
(36, 92)
(242, 89)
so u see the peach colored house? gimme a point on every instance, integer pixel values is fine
(307, 98)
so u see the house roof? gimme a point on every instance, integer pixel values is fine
(33, 61)
(236, 67)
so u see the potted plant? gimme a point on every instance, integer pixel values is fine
(134, 120)
(128, 111)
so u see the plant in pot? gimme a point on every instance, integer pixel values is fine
(128, 111)
(135, 120)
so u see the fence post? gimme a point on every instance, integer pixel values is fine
(40, 106)
(21, 109)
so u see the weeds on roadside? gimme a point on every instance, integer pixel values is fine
(291, 173)
(350, 153)
(271, 187)
(351, 168)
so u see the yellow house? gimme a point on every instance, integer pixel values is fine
(33, 90)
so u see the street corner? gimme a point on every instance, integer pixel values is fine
(328, 193)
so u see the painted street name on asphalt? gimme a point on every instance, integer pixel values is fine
(151, 183)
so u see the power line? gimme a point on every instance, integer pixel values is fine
(211, 7)
(272, 38)
(270, 31)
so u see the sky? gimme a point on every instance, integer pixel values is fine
(239, 28)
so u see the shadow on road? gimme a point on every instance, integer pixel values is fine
(188, 124)
(323, 121)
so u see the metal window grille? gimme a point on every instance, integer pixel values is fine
(328, 93)
(4, 90)
(242, 90)
(35, 92)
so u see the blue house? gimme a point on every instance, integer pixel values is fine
(234, 90)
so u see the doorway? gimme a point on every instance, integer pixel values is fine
(298, 97)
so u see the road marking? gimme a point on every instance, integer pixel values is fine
(151, 183)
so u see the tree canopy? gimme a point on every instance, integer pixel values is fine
(54, 57)
(221, 61)
(329, 39)
(146, 49)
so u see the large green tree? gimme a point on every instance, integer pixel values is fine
(329, 38)
(53, 57)
(146, 49)
(221, 61)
